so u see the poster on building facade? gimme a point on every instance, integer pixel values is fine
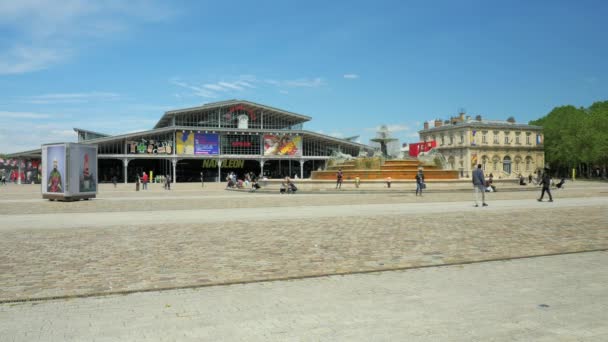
(206, 144)
(184, 142)
(282, 145)
(29, 171)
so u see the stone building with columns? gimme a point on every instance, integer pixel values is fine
(216, 139)
(504, 148)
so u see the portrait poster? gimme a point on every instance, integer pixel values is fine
(54, 167)
(86, 157)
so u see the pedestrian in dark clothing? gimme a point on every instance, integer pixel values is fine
(419, 182)
(114, 180)
(168, 182)
(339, 176)
(479, 186)
(546, 183)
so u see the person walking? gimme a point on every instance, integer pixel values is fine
(168, 182)
(419, 182)
(144, 180)
(339, 176)
(114, 180)
(357, 182)
(137, 181)
(478, 186)
(388, 181)
(546, 183)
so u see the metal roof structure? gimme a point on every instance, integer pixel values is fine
(166, 119)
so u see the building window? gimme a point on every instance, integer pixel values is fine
(462, 138)
(506, 165)
(484, 161)
(451, 139)
(517, 138)
(496, 142)
(528, 163)
(442, 140)
(484, 137)
(495, 161)
(517, 162)
(507, 141)
(528, 139)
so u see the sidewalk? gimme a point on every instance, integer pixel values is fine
(546, 299)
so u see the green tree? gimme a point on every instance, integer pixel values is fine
(576, 137)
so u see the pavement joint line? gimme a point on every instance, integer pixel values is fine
(301, 277)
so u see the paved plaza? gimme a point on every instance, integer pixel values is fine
(111, 254)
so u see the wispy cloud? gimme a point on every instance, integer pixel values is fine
(244, 83)
(351, 76)
(391, 128)
(23, 115)
(198, 91)
(21, 59)
(54, 32)
(308, 83)
(296, 83)
(72, 97)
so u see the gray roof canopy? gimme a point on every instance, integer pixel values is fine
(167, 117)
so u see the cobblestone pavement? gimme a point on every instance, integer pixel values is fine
(160, 240)
(544, 299)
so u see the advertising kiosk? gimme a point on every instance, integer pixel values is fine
(69, 171)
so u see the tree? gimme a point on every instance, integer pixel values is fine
(576, 137)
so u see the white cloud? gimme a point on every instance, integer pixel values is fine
(72, 97)
(391, 128)
(197, 91)
(22, 59)
(214, 87)
(55, 31)
(308, 83)
(336, 135)
(243, 83)
(23, 115)
(351, 76)
(233, 86)
(397, 128)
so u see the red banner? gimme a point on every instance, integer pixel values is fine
(417, 148)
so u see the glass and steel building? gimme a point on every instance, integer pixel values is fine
(213, 140)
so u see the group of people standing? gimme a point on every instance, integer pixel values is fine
(144, 179)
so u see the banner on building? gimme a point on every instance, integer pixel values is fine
(184, 142)
(425, 146)
(206, 144)
(282, 145)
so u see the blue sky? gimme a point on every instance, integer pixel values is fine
(117, 66)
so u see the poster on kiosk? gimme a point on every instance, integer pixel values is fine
(69, 171)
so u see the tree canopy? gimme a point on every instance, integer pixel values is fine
(575, 136)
